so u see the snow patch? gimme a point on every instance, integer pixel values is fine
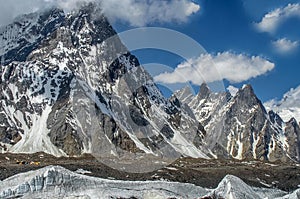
(288, 107)
(37, 139)
(233, 90)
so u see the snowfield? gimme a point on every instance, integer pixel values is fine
(58, 182)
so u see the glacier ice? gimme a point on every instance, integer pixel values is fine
(58, 182)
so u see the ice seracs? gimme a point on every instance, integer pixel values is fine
(55, 181)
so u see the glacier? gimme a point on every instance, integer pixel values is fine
(58, 182)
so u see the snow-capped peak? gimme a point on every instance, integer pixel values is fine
(233, 90)
(288, 106)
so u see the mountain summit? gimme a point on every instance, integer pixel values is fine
(69, 86)
(240, 127)
(76, 89)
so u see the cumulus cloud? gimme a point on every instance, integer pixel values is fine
(273, 19)
(284, 45)
(134, 12)
(144, 12)
(210, 68)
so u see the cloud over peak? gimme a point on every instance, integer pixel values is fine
(144, 12)
(134, 12)
(210, 68)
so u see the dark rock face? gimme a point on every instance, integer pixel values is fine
(292, 132)
(27, 88)
(69, 86)
(239, 126)
(18, 37)
(75, 90)
(250, 125)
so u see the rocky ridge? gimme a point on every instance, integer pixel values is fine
(73, 78)
(69, 86)
(240, 127)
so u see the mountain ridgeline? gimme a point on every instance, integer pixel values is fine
(66, 90)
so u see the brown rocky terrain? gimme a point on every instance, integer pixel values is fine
(204, 173)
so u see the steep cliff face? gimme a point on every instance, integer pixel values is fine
(239, 126)
(24, 35)
(38, 75)
(69, 86)
(77, 90)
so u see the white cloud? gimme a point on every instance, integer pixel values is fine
(284, 45)
(144, 12)
(13, 8)
(210, 68)
(135, 12)
(273, 19)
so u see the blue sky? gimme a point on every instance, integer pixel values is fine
(231, 26)
(253, 42)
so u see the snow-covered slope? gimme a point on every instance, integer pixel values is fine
(57, 182)
(78, 90)
(232, 187)
(69, 86)
(288, 107)
(18, 39)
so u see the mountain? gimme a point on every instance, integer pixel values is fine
(239, 126)
(288, 107)
(69, 86)
(57, 182)
(26, 33)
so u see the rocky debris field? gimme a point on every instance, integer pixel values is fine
(204, 173)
